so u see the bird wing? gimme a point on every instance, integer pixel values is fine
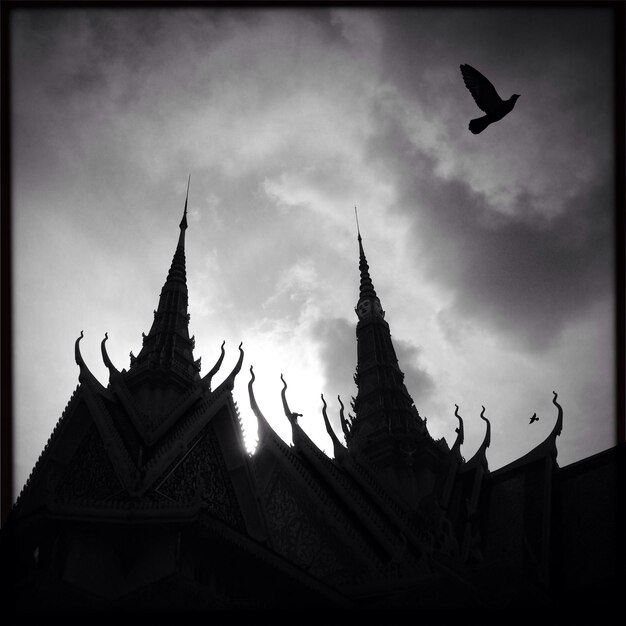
(483, 92)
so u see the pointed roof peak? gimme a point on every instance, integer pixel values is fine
(183, 221)
(168, 343)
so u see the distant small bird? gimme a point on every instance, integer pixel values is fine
(534, 418)
(487, 99)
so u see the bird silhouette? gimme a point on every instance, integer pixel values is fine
(534, 418)
(487, 99)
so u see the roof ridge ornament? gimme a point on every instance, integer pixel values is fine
(345, 424)
(291, 416)
(85, 374)
(339, 450)
(229, 381)
(113, 372)
(544, 449)
(263, 425)
(209, 375)
(460, 438)
(558, 427)
(487, 441)
(480, 456)
(77, 355)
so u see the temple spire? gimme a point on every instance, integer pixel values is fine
(386, 426)
(168, 346)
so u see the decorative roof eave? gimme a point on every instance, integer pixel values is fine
(85, 375)
(114, 510)
(266, 433)
(229, 381)
(206, 380)
(291, 415)
(456, 448)
(264, 428)
(339, 451)
(113, 372)
(345, 424)
(480, 458)
(546, 449)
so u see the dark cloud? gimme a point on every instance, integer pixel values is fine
(525, 276)
(418, 381)
(560, 134)
(336, 340)
(520, 38)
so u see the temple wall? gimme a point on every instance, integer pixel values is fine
(589, 511)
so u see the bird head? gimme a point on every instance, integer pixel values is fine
(514, 98)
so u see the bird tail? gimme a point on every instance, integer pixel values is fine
(478, 125)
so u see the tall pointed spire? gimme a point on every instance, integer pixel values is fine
(386, 426)
(167, 346)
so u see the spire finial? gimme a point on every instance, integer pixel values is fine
(366, 290)
(358, 230)
(183, 222)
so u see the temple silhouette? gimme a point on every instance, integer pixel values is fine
(145, 496)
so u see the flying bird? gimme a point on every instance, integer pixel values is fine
(487, 99)
(534, 418)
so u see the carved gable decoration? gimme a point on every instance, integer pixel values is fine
(202, 475)
(299, 533)
(89, 473)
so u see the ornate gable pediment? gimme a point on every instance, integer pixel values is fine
(94, 464)
(201, 476)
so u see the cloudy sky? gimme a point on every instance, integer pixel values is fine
(492, 254)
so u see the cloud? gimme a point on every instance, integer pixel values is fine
(336, 343)
(418, 381)
(524, 275)
(558, 138)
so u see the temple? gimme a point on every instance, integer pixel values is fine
(145, 497)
